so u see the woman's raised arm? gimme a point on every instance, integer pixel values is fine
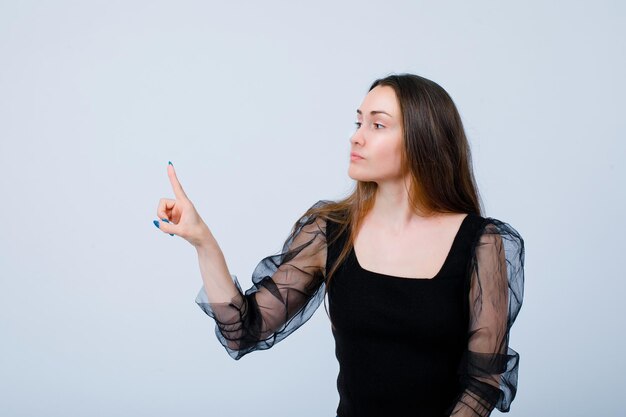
(179, 217)
(287, 289)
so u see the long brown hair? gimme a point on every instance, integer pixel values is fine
(435, 151)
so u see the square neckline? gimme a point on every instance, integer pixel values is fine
(439, 272)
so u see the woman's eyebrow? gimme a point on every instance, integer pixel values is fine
(373, 112)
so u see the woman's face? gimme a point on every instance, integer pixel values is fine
(378, 138)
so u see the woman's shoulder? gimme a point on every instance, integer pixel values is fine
(492, 225)
(323, 215)
(327, 210)
(315, 212)
(492, 230)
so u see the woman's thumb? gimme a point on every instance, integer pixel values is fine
(165, 226)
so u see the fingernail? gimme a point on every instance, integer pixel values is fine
(170, 162)
(167, 221)
(156, 223)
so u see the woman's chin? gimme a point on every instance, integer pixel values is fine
(358, 177)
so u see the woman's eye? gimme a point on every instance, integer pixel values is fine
(358, 125)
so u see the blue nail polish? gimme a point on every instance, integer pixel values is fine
(167, 221)
(170, 162)
(156, 223)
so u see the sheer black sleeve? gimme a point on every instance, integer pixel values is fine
(489, 367)
(287, 289)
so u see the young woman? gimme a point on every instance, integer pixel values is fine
(422, 289)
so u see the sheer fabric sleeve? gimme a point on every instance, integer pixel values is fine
(489, 366)
(287, 289)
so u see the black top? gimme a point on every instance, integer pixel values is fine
(405, 346)
(400, 340)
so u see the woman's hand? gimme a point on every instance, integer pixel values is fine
(180, 216)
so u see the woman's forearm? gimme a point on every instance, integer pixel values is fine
(218, 283)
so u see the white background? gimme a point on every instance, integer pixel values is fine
(254, 103)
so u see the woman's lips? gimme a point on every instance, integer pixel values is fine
(355, 156)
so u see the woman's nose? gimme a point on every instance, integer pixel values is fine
(356, 138)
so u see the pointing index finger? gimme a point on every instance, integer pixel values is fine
(178, 189)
